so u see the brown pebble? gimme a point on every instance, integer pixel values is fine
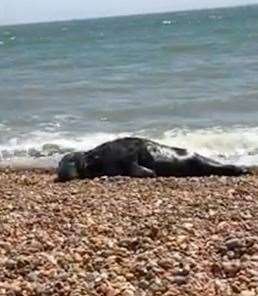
(254, 258)
(166, 263)
(179, 280)
(128, 293)
(248, 293)
(143, 284)
(129, 276)
(231, 267)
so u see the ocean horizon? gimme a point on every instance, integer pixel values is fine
(54, 21)
(185, 79)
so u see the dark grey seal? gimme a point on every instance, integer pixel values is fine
(137, 157)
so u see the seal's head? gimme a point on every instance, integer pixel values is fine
(68, 168)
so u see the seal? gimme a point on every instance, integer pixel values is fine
(139, 157)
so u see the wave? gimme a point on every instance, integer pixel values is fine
(42, 149)
(238, 145)
(167, 22)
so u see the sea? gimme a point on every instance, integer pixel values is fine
(186, 79)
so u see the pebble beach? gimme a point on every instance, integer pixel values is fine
(126, 237)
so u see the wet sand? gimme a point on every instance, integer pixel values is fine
(122, 236)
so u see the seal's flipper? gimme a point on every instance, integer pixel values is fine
(203, 166)
(227, 170)
(138, 171)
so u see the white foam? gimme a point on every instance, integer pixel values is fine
(37, 139)
(169, 22)
(166, 22)
(25, 162)
(238, 145)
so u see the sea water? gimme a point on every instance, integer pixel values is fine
(186, 79)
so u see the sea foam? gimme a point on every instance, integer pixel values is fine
(238, 145)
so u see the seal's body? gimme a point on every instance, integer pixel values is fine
(137, 157)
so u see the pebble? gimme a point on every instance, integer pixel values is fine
(143, 284)
(129, 276)
(255, 247)
(5, 245)
(166, 263)
(231, 267)
(188, 226)
(128, 293)
(10, 264)
(176, 256)
(221, 285)
(182, 271)
(253, 272)
(233, 243)
(253, 283)
(33, 276)
(179, 280)
(223, 225)
(254, 258)
(231, 254)
(248, 293)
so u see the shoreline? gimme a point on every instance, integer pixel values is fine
(125, 236)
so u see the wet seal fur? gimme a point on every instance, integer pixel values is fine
(138, 157)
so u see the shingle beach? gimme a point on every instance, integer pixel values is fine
(122, 236)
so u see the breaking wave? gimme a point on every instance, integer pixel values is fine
(40, 149)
